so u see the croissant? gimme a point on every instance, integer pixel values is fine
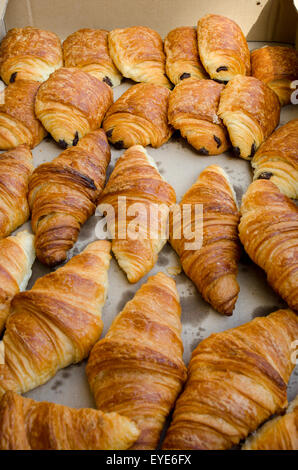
(236, 380)
(139, 117)
(26, 424)
(88, 50)
(138, 53)
(136, 182)
(15, 170)
(72, 103)
(250, 110)
(18, 123)
(281, 433)
(137, 369)
(57, 322)
(62, 195)
(16, 258)
(182, 57)
(268, 231)
(277, 159)
(29, 54)
(223, 48)
(277, 67)
(193, 106)
(212, 266)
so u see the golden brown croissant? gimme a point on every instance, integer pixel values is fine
(29, 54)
(17, 255)
(182, 56)
(26, 424)
(250, 110)
(139, 117)
(15, 170)
(148, 196)
(193, 107)
(72, 103)
(276, 66)
(63, 193)
(222, 47)
(137, 369)
(236, 380)
(280, 433)
(213, 266)
(57, 322)
(277, 159)
(269, 233)
(88, 50)
(18, 123)
(138, 53)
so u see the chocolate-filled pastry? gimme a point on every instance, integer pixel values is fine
(223, 48)
(63, 193)
(236, 380)
(72, 103)
(277, 159)
(57, 322)
(88, 50)
(277, 66)
(15, 170)
(212, 266)
(139, 117)
(182, 56)
(29, 54)
(146, 196)
(280, 433)
(138, 53)
(193, 107)
(250, 110)
(18, 123)
(26, 424)
(268, 230)
(137, 369)
(17, 255)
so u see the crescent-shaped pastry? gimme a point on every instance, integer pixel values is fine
(138, 53)
(29, 54)
(277, 159)
(15, 170)
(88, 50)
(277, 66)
(137, 369)
(280, 433)
(63, 194)
(193, 107)
(250, 110)
(18, 123)
(212, 266)
(72, 103)
(17, 255)
(137, 201)
(26, 424)
(182, 56)
(57, 322)
(236, 380)
(139, 117)
(223, 48)
(268, 231)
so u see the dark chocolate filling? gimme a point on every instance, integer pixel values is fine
(62, 144)
(107, 81)
(119, 144)
(253, 150)
(76, 139)
(236, 151)
(184, 75)
(223, 82)
(217, 140)
(13, 77)
(203, 151)
(222, 68)
(109, 133)
(266, 175)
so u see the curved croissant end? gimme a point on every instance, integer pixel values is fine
(71, 103)
(57, 322)
(268, 230)
(29, 425)
(137, 369)
(235, 382)
(63, 193)
(277, 159)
